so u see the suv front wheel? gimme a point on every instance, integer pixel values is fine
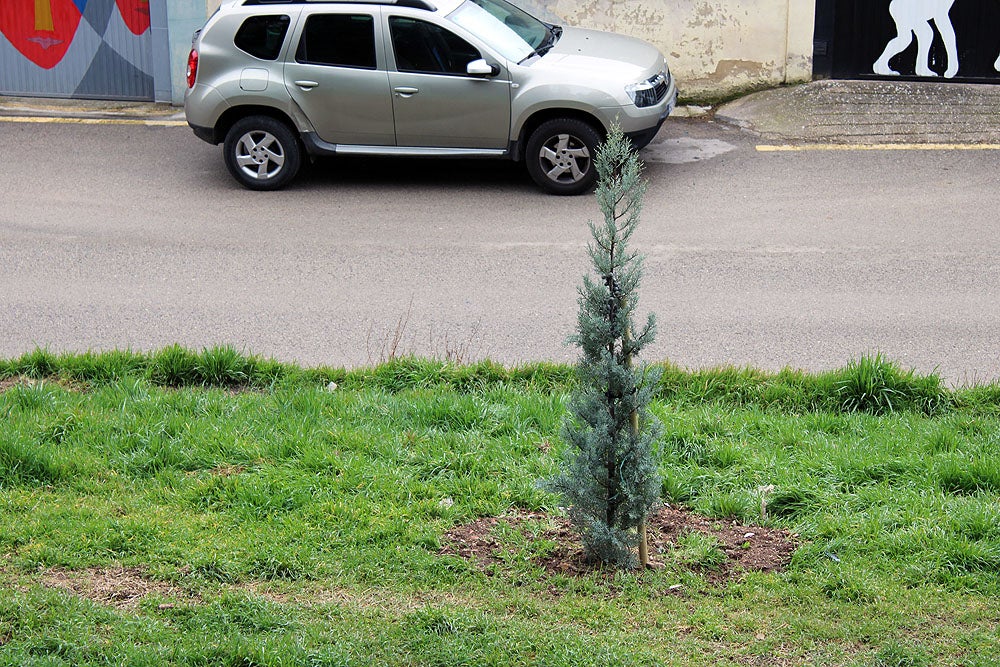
(560, 156)
(262, 153)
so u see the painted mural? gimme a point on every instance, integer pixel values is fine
(919, 19)
(76, 48)
(914, 17)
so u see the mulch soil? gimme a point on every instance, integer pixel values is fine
(747, 548)
(7, 383)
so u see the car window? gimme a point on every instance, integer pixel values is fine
(342, 40)
(427, 48)
(262, 36)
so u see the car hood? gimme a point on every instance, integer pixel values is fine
(599, 53)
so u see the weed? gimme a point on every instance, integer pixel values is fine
(397, 344)
(699, 550)
(897, 654)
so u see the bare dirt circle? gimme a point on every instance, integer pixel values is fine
(746, 548)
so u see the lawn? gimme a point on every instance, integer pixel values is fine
(209, 508)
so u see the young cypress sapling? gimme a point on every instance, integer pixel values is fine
(609, 477)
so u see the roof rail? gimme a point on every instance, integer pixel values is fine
(415, 4)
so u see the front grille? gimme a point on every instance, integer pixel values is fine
(660, 88)
(652, 91)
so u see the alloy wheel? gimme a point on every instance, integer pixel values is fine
(260, 155)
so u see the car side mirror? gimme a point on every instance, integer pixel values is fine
(481, 68)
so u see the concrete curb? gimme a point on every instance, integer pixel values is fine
(30, 107)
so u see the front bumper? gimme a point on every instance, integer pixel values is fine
(640, 124)
(642, 138)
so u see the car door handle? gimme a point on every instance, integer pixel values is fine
(406, 91)
(306, 85)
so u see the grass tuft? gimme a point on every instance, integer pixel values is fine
(962, 476)
(173, 366)
(898, 654)
(877, 386)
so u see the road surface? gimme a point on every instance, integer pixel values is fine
(132, 236)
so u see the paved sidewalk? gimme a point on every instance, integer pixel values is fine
(41, 107)
(871, 112)
(836, 112)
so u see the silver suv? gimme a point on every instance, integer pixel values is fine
(274, 80)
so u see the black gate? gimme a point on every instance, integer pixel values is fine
(929, 40)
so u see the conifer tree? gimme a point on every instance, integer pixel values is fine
(609, 477)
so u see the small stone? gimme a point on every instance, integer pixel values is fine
(332, 386)
(749, 535)
(445, 503)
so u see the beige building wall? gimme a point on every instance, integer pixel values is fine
(714, 47)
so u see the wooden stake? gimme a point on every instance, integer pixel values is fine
(634, 424)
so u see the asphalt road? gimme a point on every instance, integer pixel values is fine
(124, 236)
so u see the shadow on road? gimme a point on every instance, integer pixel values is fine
(415, 172)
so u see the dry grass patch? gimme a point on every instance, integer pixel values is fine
(9, 383)
(118, 587)
(381, 599)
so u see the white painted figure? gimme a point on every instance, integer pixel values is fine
(913, 17)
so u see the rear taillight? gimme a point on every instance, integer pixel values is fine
(192, 69)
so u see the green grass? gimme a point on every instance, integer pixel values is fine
(282, 522)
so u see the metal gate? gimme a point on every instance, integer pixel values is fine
(914, 39)
(96, 49)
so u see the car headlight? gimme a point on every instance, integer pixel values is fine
(649, 92)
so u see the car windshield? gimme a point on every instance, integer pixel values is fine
(511, 31)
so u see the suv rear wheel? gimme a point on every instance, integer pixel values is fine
(262, 153)
(560, 156)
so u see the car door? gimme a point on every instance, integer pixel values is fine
(338, 77)
(435, 101)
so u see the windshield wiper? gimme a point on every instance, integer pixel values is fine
(555, 32)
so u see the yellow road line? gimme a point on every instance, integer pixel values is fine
(93, 121)
(788, 148)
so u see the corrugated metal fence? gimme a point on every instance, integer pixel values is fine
(96, 49)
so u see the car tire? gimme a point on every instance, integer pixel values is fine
(560, 156)
(262, 153)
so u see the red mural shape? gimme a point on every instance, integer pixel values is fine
(41, 30)
(136, 14)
